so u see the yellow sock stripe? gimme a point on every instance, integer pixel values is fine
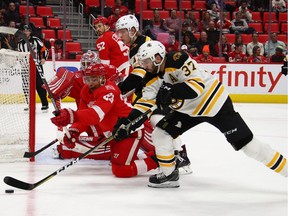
(274, 159)
(281, 166)
(162, 157)
(167, 164)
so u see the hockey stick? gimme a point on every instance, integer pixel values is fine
(81, 138)
(30, 186)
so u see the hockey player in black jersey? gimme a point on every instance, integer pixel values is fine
(195, 96)
(127, 28)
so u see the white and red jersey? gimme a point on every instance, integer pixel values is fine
(99, 110)
(77, 85)
(112, 51)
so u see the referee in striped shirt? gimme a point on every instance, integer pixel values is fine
(41, 54)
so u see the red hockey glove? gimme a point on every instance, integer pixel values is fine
(71, 142)
(64, 117)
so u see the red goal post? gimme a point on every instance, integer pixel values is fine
(17, 92)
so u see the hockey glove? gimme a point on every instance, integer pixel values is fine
(64, 117)
(124, 126)
(164, 96)
(70, 142)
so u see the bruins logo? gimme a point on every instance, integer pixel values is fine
(177, 56)
(177, 104)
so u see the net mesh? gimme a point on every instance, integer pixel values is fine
(14, 98)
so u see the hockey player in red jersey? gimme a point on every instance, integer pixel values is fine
(194, 97)
(100, 107)
(112, 50)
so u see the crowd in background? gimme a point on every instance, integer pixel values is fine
(203, 37)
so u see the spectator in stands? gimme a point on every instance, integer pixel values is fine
(189, 40)
(270, 45)
(226, 7)
(172, 24)
(226, 24)
(204, 23)
(254, 42)
(58, 49)
(212, 32)
(10, 41)
(12, 14)
(244, 12)
(123, 9)
(155, 26)
(173, 44)
(185, 49)
(37, 2)
(193, 22)
(112, 19)
(259, 5)
(214, 13)
(237, 55)
(205, 56)
(238, 40)
(256, 57)
(2, 20)
(279, 5)
(185, 28)
(278, 56)
(204, 41)
(240, 25)
(225, 47)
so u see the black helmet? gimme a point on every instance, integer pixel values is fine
(27, 27)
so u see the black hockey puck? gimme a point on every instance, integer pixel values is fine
(9, 191)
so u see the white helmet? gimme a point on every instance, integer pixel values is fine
(150, 49)
(88, 58)
(127, 22)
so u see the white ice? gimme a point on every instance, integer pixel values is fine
(224, 182)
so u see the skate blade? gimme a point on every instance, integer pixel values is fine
(171, 184)
(185, 170)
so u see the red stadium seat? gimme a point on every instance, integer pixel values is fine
(147, 14)
(263, 38)
(230, 38)
(186, 5)
(54, 23)
(44, 11)
(74, 48)
(164, 14)
(138, 3)
(156, 4)
(170, 5)
(256, 16)
(257, 26)
(48, 34)
(284, 27)
(68, 35)
(283, 17)
(38, 22)
(91, 3)
(246, 38)
(22, 10)
(266, 17)
(200, 5)
(164, 38)
(283, 37)
(110, 3)
(274, 27)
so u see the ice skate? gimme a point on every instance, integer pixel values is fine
(160, 180)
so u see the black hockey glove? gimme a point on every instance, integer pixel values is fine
(164, 96)
(124, 126)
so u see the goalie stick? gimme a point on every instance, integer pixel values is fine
(81, 138)
(30, 186)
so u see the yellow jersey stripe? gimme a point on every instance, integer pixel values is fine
(196, 85)
(205, 98)
(212, 103)
(274, 159)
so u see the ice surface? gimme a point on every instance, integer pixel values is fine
(223, 183)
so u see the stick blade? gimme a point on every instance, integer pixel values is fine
(18, 184)
(28, 154)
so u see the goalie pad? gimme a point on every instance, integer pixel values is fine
(61, 84)
(103, 153)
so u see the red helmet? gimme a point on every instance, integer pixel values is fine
(101, 19)
(96, 69)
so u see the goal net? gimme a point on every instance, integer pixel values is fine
(17, 105)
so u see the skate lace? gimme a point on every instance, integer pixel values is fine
(179, 158)
(161, 175)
